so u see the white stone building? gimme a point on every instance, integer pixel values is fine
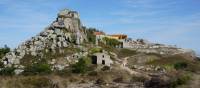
(101, 59)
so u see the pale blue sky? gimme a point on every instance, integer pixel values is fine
(174, 22)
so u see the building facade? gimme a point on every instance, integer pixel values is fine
(101, 59)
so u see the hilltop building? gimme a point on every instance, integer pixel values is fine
(69, 21)
(66, 13)
(120, 37)
(99, 36)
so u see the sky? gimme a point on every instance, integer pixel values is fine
(171, 22)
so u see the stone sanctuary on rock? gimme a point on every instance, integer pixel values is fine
(66, 29)
(66, 41)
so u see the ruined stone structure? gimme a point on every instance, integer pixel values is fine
(69, 21)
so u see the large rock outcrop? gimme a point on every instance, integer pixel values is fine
(65, 30)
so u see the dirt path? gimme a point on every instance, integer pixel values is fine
(123, 66)
(195, 83)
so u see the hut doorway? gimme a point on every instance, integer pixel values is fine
(103, 62)
(94, 59)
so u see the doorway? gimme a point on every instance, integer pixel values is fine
(103, 62)
(94, 59)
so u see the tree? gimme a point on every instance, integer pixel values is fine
(4, 50)
(111, 42)
(90, 34)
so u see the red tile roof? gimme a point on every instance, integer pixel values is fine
(99, 33)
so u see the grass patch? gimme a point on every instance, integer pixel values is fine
(36, 82)
(178, 63)
(96, 50)
(37, 69)
(108, 48)
(180, 79)
(126, 52)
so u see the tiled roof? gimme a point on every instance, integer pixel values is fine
(99, 33)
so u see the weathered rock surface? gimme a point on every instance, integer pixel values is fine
(66, 29)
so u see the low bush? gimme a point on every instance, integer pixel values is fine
(180, 80)
(8, 71)
(36, 69)
(80, 67)
(4, 50)
(1, 65)
(180, 65)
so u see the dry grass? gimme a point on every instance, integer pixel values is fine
(57, 81)
(193, 66)
(122, 53)
(50, 81)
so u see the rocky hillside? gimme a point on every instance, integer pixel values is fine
(65, 30)
(65, 55)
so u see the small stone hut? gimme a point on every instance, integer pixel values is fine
(101, 59)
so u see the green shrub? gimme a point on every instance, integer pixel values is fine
(96, 50)
(111, 42)
(37, 69)
(8, 71)
(180, 80)
(80, 67)
(1, 65)
(90, 34)
(87, 60)
(180, 65)
(4, 50)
